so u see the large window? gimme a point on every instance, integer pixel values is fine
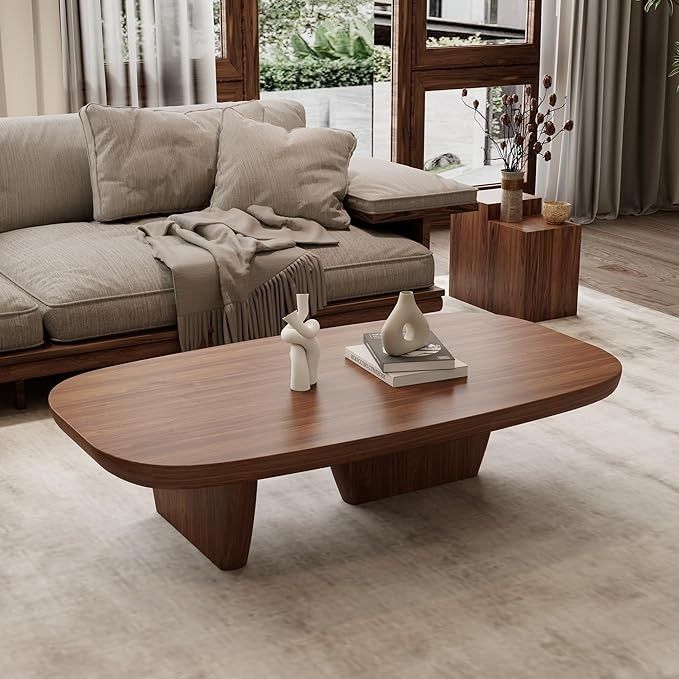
(389, 72)
(321, 54)
(461, 149)
(491, 11)
(436, 8)
(479, 45)
(491, 22)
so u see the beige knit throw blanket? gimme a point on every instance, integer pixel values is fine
(236, 273)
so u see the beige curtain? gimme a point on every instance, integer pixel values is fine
(139, 52)
(30, 58)
(612, 60)
(3, 95)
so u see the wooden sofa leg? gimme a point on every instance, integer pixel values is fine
(20, 395)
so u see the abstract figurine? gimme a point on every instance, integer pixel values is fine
(305, 350)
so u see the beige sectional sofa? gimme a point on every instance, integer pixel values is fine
(67, 282)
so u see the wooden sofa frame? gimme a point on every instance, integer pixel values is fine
(53, 358)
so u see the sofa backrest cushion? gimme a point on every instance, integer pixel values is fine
(300, 173)
(44, 170)
(285, 113)
(44, 175)
(145, 162)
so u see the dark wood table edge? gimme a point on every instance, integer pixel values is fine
(187, 476)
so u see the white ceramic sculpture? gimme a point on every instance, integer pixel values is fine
(305, 350)
(406, 329)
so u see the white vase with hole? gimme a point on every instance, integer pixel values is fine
(305, 350)
(406, 329)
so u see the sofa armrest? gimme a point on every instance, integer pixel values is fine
(381, 192)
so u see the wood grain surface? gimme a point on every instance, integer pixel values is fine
(226, 414)
(217, 520)
(410, 470)
(634, 258)
(527, 270)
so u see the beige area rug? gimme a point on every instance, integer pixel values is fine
(560, 560)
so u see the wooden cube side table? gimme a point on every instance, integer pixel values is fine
(528, 270)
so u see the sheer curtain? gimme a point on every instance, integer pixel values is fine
(139, 52)
(30, 52)
(611, 59)
(3, 94)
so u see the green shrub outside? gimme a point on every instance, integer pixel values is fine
(310, 73)
(303, 73)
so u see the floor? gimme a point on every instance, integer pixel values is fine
(635, 258)
(632, 258)
(559, 560)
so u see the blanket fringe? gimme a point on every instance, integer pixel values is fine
(261, 314)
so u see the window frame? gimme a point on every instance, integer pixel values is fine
(417, 69)
(439, 8)
(238, 67)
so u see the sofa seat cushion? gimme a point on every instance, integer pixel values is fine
(378, 187)
(373, 263)
(89, 279)
(20, 319)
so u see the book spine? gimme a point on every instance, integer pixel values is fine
(366, 366)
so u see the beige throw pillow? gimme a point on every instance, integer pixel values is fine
(145, 161)
(301, 173)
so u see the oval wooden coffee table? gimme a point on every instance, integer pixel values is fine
(201, 428)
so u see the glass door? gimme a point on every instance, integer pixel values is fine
(442, 47)
(322, 54)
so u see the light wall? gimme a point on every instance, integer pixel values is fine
(511, 13)
(31, 75)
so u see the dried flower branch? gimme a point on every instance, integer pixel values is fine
(525, 129)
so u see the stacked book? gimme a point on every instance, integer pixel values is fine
(431, 363)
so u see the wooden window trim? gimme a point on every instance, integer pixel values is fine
(527, 52)
(418, 69)
(238, 67)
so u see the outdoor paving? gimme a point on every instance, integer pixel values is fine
(366, 111)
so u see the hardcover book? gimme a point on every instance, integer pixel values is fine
(432, 356)
(361, 356)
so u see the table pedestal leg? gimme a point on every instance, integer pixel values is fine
(217, 520)
(409, 470)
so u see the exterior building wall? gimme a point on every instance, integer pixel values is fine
(511, 13)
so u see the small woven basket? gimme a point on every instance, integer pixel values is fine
(556, 211)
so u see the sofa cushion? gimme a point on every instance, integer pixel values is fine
(285, 113)
(372, 263)
(44, 175)
(380, 187)
(302, 173)
(146, 162)
(20, 319)
(44, 172)
(158, 161)
(89, 279)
